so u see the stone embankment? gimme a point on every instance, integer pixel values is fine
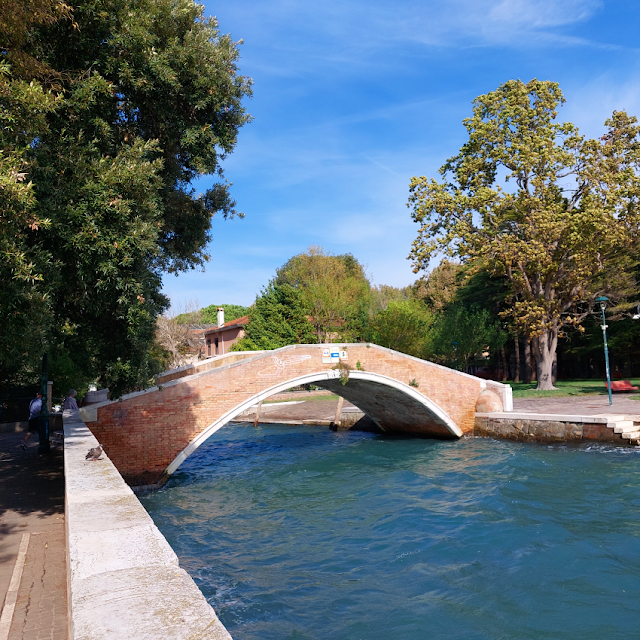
(124, 579)
(536, 427)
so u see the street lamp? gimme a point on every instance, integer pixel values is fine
(603, 305)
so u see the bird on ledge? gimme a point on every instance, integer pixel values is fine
(94, 454)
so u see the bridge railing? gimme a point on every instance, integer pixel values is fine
(204, 365)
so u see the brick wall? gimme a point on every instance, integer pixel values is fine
(145, 431)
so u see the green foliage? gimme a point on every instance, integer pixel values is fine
(25, 306)
(334, 289)
(344, 370)
(209, 315)
(146, 98)
(439, 288)
(382, 295)
(403, 326)
(475, 331)
(552, 211)
(277, 319)
(414, 383)
(231, 312)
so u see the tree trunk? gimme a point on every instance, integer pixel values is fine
(527, 361)
(516, 346)
(544, 348)
(505, 370)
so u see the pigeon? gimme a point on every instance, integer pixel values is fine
(94, 454)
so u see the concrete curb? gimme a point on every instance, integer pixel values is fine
(124, 579)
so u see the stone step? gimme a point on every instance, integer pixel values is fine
(632, 435)
(621, 426)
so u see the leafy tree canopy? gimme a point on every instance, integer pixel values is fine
(334, 290)
(209, 315)
(277, 319)
(403, 326)
(460, 335)
(137, 102)
(554, 212)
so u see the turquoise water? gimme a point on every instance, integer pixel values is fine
(302, 533)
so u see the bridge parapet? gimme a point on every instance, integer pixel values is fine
(148, 434)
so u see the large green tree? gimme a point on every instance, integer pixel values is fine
(277, 319)
(552, 211)
(334, 289)
(149, 98)
(403, 326)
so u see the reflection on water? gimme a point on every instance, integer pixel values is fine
(302, 533)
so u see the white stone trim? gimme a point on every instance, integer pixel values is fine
(551, 417)
(124, 580)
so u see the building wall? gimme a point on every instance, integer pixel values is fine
(226, 339)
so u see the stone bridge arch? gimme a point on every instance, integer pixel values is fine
(149, 434)
(403, 399)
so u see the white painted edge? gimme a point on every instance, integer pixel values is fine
(551, 417)
(329, 374)
(14, 586)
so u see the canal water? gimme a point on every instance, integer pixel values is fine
(299, 533)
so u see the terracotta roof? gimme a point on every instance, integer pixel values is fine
(233, 323)
(238, 322)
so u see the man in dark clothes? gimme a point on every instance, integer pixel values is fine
(35, 407)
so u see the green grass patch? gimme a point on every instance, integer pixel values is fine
(566, 388)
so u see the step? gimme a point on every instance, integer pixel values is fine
(621, 425)
(631, 435)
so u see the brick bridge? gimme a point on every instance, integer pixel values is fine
(149, 434)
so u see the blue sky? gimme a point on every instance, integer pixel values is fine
(353, 98)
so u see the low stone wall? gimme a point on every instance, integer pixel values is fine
(541, 428)
(124, 579)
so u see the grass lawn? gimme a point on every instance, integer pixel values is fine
(568, 388)
(309, 398)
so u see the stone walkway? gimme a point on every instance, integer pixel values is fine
(581, 405)
(32, 502)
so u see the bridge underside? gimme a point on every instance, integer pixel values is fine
(391, 409)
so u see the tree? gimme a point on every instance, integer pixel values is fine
(403, 326)
(439, 288)
(148, 98)
(460, 334)
(552, 211)
(209, 315)
(277, 319)
(334, 290)
(24, 305)
(179, 341)
(382, 295)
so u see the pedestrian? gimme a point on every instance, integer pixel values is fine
(35, 407)
(70, 401)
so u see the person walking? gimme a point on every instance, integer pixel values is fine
(70, 401)
(35, 407)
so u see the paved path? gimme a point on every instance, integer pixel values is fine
(321, 408)
(32, 501)
(582, 405)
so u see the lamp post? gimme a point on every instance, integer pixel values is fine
(603, 305)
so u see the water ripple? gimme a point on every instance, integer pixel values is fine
(296, 532)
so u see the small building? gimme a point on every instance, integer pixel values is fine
(220, 339)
